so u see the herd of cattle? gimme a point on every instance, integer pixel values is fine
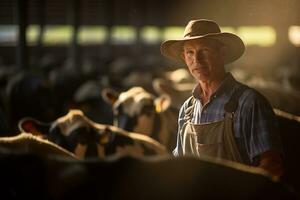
(132, 127)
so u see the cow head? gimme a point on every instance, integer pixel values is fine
(178, 92)
(136, 109)
(73, 132)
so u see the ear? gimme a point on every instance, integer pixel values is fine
(182, 56)
(109, 95)
(162, 103)
(33, 126)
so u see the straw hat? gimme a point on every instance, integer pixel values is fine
(204, 28)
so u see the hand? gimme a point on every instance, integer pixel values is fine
(271, 161)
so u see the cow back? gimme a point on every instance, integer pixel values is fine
(135, 178)
(27, 143)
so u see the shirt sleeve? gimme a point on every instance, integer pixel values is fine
(178, 149)
(260, 126)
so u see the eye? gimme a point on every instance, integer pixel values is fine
(189, 52)
(206, 50)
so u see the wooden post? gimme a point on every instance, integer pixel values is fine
(21, 50)
(41, 22)
(73, 12)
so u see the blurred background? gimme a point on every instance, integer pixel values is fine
(58, 54)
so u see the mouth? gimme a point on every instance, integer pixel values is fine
(200, 69)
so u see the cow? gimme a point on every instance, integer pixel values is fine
(88, 99)
(87, 139)
(177, 84)
(179, 76)
(139, 111)
(128, 177)
(178, 92)
(28, 143)
(279, 93)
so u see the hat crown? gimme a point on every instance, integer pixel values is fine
(200, 27)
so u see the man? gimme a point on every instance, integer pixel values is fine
(223, 118)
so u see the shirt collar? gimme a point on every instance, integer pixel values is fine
(225, 86)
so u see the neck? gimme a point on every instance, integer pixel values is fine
(209, 87)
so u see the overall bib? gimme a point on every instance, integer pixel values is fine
(214, 139)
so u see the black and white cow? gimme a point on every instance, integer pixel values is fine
(28, 143)
(140, 111)
(178, 92)
(177, 84)
(85, 138)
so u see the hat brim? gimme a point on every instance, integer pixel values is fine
(173, 48)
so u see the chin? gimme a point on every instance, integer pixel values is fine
(201, 77)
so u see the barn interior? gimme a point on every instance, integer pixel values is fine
(57, 55)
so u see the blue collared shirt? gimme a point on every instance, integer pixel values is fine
(255, 125)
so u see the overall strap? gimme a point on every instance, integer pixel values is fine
(229, 141)
(232, 104)
(189, 110)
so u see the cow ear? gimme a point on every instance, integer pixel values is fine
(33, 126)
(162, 103)
(109, 95)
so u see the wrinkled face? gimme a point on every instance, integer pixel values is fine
(134, 111)
(204, 58)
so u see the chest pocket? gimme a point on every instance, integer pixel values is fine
(205, 139)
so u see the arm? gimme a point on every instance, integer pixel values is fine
(262, 137)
